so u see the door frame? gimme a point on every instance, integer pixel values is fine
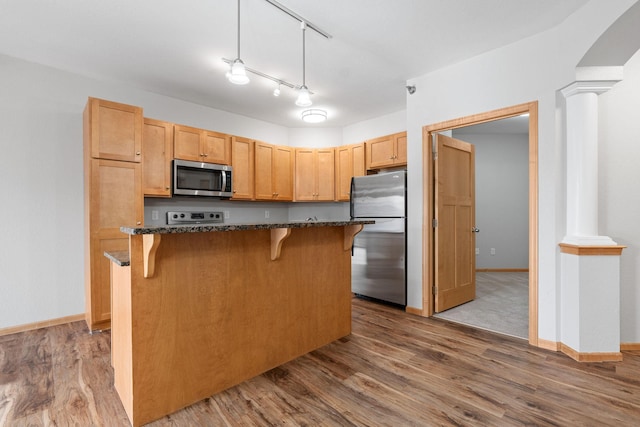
(530, 108)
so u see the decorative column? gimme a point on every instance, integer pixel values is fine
(590, 263)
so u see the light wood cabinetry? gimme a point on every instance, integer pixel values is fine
(273, 172)
(201, 145)
(350, 162)
(115, 130)
(242, 162)
(113, 198)
(157, 148)
(314, 174)
(387, 151)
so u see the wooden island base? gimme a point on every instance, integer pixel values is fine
(217, 311)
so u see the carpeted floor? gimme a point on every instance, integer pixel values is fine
(501, 304)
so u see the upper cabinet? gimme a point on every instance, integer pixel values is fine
(242, 158)
(273, 172)
(115, 130)
(157, 148)
(201, 145)
(315, 174)
(350, 162)
(387, 151)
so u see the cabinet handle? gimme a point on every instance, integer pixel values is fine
(205, 155)
(137, 153)
(167, 188)
(138, 223)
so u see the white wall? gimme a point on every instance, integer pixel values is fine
(380, 126)
(41, 180)
(530, 70)
(502, 199)
(619, 195)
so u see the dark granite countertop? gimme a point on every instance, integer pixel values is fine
(119, 257)
(203, 228)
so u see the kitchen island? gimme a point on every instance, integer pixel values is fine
(197, 309)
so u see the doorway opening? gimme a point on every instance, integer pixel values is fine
(428, 185)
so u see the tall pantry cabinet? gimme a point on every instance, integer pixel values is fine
(113, 195)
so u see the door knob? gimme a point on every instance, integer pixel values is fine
(475, 230)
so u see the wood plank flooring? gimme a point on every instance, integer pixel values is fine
(395, 369)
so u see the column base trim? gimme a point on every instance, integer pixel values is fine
(586, 250)
(590, 357)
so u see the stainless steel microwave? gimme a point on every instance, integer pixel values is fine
(201, 179)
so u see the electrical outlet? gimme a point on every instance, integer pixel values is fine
(477, 251)
(226, 215)
(154, 215)
(493, 251)
(266, 214)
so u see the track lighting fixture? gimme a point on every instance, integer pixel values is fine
(237, 73)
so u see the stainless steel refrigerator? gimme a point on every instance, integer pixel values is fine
(378, 264)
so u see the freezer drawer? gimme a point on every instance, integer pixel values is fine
(378, 265)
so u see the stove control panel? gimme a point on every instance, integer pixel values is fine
(194, 217)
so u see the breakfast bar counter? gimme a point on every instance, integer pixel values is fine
(201, 308)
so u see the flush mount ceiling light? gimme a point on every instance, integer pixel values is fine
(304, 100)
(314, 115)
(237, 72)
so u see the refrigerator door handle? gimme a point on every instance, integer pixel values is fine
(351, 203)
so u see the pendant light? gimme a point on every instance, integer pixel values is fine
(237, 72)
(304, 100)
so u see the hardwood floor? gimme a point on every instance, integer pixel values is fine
(395, 369)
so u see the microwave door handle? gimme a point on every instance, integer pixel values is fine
(224, 181)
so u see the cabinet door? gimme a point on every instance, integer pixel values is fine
(264, 184)
(401, 149)
(187, 143)
(350, 162)
(98, 288)
(380, 152)
(344, 167)
(358, 157)
(283, 173)
(114, 199)
(157, 143)
(305, 174)
(325, 183)
(216, 148)
(116, 196)
(115, 130)
(242, 154)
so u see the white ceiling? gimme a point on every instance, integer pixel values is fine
(175, 48)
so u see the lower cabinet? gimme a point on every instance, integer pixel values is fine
(113, 198)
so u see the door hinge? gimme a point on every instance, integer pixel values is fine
(434, 223)
(435, 290)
